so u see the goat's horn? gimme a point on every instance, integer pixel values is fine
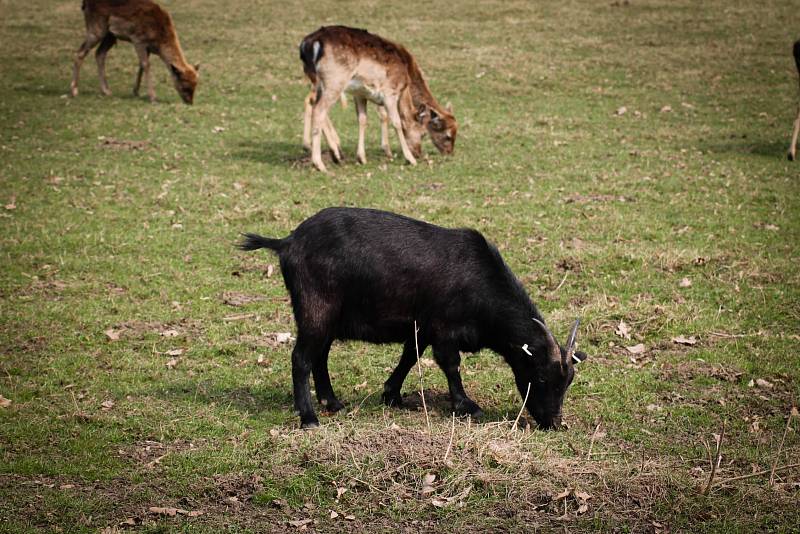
(552, 344)
(572, 342)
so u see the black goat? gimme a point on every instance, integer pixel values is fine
(370, 275)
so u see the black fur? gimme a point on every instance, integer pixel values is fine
(307, 55)
(369, 275)
(796, 52)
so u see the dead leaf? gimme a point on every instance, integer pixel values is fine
(623, 330)
(66, 486)
(427, 483)
(685, 282)
(439, 503)
(621, 111)
(283, 337)
(159, 510)
(563, 495)
(334, 515)
(683, 340)
(270, 270)
(12, 205)
(666, 109)
(582, 496)
(636, 349)
(108, 404)
(170, 332)
(350, 517)
(174, 352)
(583, 508)
(195, 513)
(340, 491)
(112, 334)
(4, 402)
(794, 412)
(261, 360)
(760, 382)
(362, 385)
(172, 363)
(299, 523)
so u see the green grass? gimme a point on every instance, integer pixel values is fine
(600, 214)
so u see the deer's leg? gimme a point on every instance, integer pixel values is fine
(319, 122)
(361, 112)
(92, 38)
(397, 123)
(387, 149)
(332, 137)
(793, 146)
(100, 56)
(307, 106)
(144, 67)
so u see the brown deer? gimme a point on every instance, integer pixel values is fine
(149, 28)
(339, 59)
(793, 146)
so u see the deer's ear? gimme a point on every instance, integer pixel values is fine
(175, 71)
(197, 67)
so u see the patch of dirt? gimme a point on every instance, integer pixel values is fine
(236, 299)
(120, 144)
(578, 198)
(138, 329)
(685, 371)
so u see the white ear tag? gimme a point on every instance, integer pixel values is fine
(577, 360)
(525, 348)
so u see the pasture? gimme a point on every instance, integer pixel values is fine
(627, 158)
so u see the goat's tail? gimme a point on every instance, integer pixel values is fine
(255, 242)
(310, 53)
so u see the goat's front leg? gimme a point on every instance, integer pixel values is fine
(387, 149)
(394, 116)
(391, 388)
(449, 360)
(361, 113)
(793, 146)
(100, 57)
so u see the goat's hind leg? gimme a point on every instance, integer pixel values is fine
(303, 356)
(322, 380)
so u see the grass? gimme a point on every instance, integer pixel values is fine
(120, 216)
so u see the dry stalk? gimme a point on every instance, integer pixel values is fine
(524, 402)
(780, 448)
(450, 443)
(715, 463)
(591, 443)
(756, 474)
(421, 387)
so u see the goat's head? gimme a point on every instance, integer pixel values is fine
(441, 124)
(551, 371)
(185, 81)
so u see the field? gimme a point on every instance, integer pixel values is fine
(627, 158)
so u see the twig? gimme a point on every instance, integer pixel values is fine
(591, 443)
(756, 474)
(157, 460)
(450, 443)
(780, 448)
(725, 334)
(716, 462)
(421, 387)
(524, 402)
(562, 282)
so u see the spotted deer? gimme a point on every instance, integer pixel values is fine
(149, 28)
(793, 146)
(340, 59)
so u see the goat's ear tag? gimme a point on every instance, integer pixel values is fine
(525, 348)
(577, 360)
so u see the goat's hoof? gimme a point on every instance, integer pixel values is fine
(392, 399)
(469, 408)
(331, 405)
(309, 425)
